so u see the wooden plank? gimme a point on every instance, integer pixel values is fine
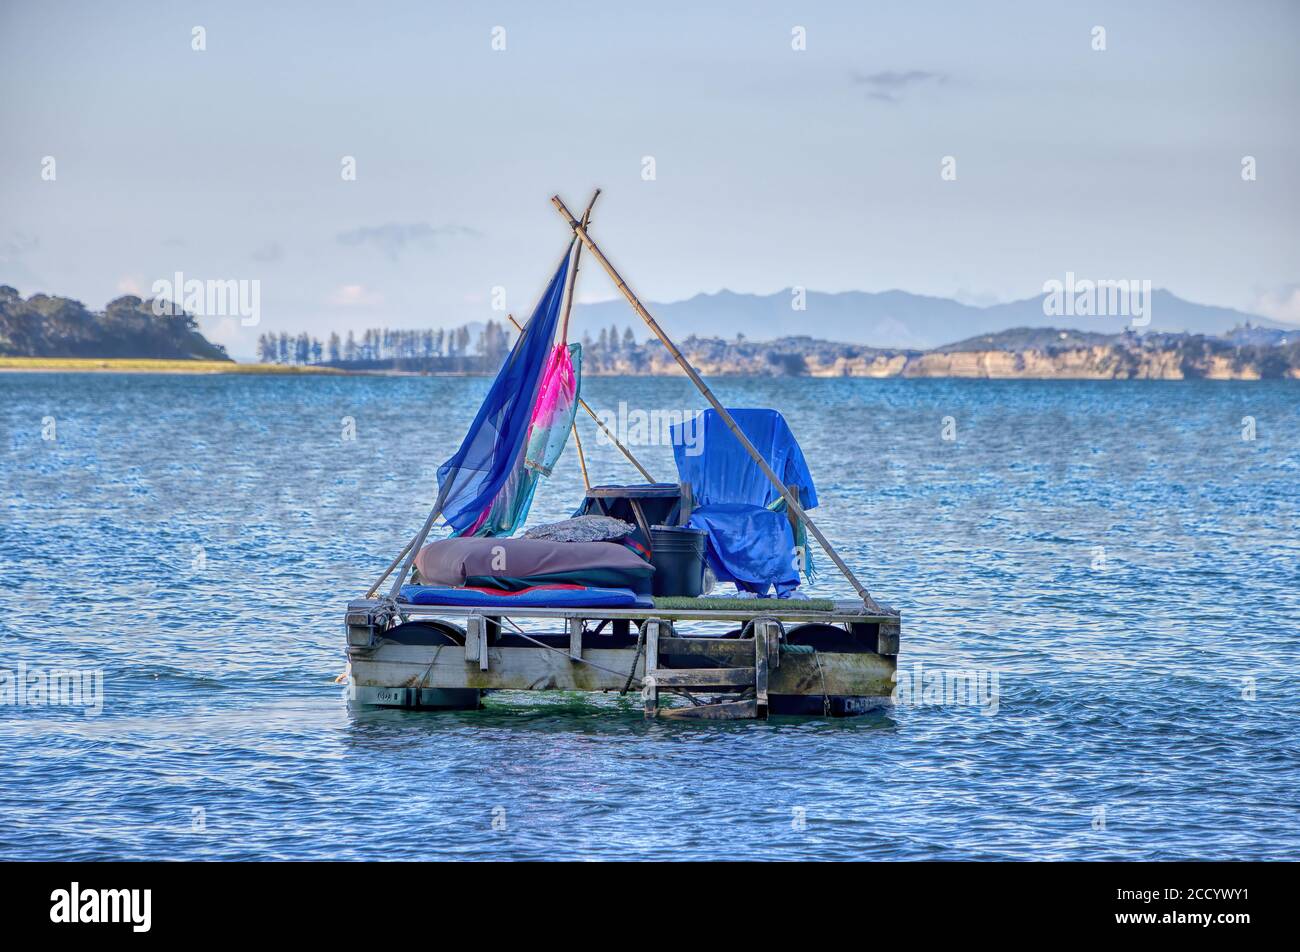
(639, 515)
(785, 609)
(729, 651)
(474, 637)
(760, 665)
(650, 688)
(538, 669)
(704, 677)
(664, 491)
(513, 669)
(575, 638)
(726, 711)
(861, 674)
(887, 638)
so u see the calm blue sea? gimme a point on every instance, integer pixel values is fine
(1116, 554)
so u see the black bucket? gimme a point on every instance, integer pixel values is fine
(678, 558)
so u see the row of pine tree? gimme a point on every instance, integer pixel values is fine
(378, 345)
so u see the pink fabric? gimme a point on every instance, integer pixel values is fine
(548, 431)
(559, 387)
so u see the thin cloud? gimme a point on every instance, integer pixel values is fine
(269, 253)
(1281, 304)
(21, 244)
(355, 295)
(393, 238)
(890, 85)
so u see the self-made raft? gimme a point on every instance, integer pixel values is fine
(721, 658)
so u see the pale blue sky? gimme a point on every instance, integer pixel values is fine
(774, 167)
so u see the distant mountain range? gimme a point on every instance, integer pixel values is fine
(846, 334)
(897, 319)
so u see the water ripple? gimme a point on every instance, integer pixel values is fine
(1115, 553)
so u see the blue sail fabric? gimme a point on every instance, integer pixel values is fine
(750, 540)
(492, 450)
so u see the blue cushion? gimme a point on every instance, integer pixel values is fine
(537, 597)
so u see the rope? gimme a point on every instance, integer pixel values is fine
(757, 618)
(541, 644)
(420, 683)
(826, 698)
(640, 643)
(695, 702)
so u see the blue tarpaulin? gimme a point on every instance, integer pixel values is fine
(750, 544)
(711, 459)
(493, 448)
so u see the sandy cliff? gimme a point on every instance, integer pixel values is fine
(1019, 354)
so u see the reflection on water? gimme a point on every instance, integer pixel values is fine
(1121, 558)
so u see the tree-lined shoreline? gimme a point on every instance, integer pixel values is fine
(52, 333)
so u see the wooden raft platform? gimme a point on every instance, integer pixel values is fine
(780, 658)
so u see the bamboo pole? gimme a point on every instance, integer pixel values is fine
(600, 423)
(582, 458)
(413, 547)
(573, 274)
(370, 593)
(696, 379)
(564, 330)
